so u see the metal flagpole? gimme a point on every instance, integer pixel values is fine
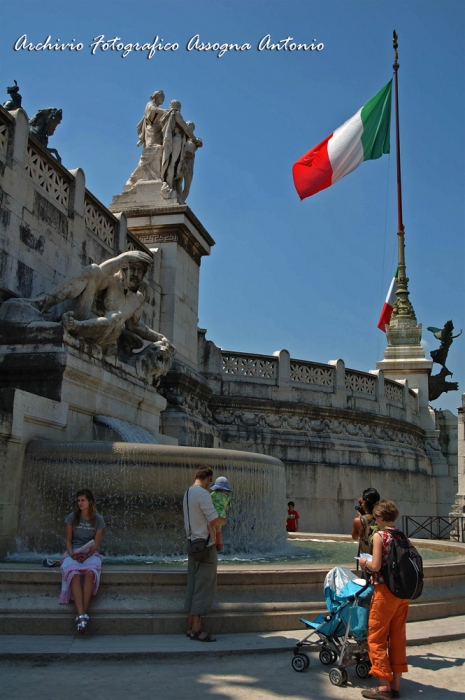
(403, 308)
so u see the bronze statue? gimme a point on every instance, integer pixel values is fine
(15, 98)
(437, 383)
(445, 336)
(43, 124)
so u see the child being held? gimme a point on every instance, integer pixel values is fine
(221, 500)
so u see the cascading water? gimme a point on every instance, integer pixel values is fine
(139, 490)
(121, 430)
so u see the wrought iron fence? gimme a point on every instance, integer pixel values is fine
(434, 527)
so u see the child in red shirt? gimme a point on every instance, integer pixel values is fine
(292, 522)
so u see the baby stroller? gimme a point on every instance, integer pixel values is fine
(342, 632)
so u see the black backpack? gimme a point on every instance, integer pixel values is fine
(403, 570)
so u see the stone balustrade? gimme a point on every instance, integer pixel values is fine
(99, 220)
(52, 213)
(48, 174)
(348, 388)
(6, 122)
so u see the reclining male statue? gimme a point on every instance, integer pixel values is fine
(114, 284)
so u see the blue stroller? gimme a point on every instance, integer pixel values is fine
(342, 632)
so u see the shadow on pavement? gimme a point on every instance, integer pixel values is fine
(434, 662)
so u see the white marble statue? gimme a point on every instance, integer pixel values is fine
(105, 302)
(185, 173)
(169, 147)
(149, 130)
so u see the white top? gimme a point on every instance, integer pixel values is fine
(201, 512)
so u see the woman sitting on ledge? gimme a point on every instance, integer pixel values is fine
(83, 533)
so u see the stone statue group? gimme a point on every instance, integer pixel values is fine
(169, 144)
(102, 305)
(169, 148)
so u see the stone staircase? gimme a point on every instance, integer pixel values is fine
(149, 600)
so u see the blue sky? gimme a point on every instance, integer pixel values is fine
(307, 276)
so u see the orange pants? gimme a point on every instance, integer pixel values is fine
(387, 633)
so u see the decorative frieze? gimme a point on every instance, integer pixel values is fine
(99, 223)
(308, 373)
(172, 234)
(178, 396)
(360, 382)
(47, 177)
(329, 428)
(249, 366)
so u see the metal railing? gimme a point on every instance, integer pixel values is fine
(434, 527)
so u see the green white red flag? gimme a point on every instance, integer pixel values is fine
(386, 313)
(365, 136)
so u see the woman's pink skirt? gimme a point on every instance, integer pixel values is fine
(70, 567)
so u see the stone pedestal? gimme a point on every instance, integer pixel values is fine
(51, 387)
(180, 241)
(404, 358)
(144, 193)
(70, 371)
(458, 507)
(174, 230)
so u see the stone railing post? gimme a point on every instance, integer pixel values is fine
(77, 194)
(121, 234)
(283, 379)
(405, 399)
(379, 391)
(20, 137)
(339, 389)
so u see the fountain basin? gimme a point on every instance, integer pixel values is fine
(139, 490)
(149, 600)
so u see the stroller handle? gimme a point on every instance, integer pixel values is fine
(357, 594)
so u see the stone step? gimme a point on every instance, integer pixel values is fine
(224, 622)
(138, 600)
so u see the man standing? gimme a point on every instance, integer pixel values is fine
(199, 512)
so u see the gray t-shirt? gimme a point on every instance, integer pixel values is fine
(84, 532)
(201, 512)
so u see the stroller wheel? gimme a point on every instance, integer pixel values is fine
(300, 662)
(362, 669)
(338, 676)
(327, 657)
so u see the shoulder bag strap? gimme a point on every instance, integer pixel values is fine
(187, 507)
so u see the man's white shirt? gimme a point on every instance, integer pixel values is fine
(201, 512)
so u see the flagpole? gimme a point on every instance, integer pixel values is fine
(403, 309)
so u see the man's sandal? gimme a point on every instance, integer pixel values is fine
(207, 638)
(81, 623)
(189, 632)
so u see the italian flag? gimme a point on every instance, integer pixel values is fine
(386, 313)
(363, 137)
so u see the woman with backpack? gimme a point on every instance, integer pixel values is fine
(388, 613)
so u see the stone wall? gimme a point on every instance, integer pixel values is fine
(337, 430)
(51, 225)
